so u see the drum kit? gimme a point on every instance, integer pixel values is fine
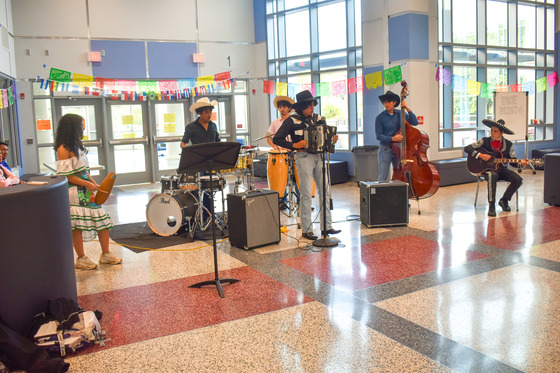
(178, 205)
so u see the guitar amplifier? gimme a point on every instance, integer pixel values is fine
(253, 218)
(383, 203)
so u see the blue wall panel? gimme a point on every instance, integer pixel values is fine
(171, 60)
(122, 60)
(259, 19)
(408, 37)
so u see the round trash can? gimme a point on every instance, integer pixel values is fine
(365, 163)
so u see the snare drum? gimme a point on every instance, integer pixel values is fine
(166, 213)
(277, 171)
(218, 182)
(169, 183)
(188, 183)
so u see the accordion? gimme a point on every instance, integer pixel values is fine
(319, 136)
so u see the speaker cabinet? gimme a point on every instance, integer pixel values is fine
(253, 219)
(551, 179)
(383, 203)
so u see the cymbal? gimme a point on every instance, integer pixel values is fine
(263, 137)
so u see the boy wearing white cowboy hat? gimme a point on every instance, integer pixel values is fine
(284, 105)
(387, 124)
(202, 129)
(499, 146)
(309, 165)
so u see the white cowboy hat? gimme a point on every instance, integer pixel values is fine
(282, 98)
(203, 102)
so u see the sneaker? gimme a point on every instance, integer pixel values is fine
(109, 258)
(84, 263)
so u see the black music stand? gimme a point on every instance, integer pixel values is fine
(209, 157)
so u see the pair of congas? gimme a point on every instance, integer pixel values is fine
(277, 171)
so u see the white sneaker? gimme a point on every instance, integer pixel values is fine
(109, 258)
(84, 263)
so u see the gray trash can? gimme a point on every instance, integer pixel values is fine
(365, 163)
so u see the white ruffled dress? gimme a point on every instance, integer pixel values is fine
(85, 214)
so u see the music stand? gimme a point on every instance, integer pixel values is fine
(209, 157)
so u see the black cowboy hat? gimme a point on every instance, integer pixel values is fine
(390, 96)
(303, 99)
(500, 124)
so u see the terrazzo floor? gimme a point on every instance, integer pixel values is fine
(452, 291)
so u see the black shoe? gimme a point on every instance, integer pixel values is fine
(492, 210)
(333, 231)
(309, 236)
(504, 205)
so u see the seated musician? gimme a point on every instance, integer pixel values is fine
(309, 165)
(497, 146)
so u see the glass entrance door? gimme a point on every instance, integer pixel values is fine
(129, 147)
(170, 121)
(90, 110)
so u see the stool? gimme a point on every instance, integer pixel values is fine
(481, 178)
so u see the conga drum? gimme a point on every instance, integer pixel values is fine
(297, 181)
(277, 171)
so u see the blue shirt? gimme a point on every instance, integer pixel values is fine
(387, 125)
(6, 165)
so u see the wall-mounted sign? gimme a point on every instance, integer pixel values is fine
(198, 58)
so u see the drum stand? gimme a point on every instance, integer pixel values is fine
(293, 207)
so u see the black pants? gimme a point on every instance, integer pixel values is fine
(503, 173)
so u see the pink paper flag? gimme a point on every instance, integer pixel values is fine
(167, 85)
(309, 87)
(355, 85)
(552, 79)
(443, 76)
(268, 87)
(338, 88)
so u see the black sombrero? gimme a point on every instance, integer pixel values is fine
(390, 96)
(500, 123)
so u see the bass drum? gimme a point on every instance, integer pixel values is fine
(167, 213)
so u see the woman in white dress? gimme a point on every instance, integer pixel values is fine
(88, 218)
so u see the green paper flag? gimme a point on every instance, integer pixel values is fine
(392, 75)
(147, 86)
(324, 89)
(541, 84)
(60, 75)
(10, 96)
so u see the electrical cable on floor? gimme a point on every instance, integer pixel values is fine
(163, 249)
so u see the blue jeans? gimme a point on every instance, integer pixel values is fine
(309, 167)
(385, 157)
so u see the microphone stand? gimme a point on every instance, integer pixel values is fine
(324, 241)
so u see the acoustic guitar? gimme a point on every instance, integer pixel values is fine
(477, 166)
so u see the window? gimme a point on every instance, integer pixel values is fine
(312, 42)
(498, 43)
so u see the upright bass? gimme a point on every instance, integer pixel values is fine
(414, 167)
